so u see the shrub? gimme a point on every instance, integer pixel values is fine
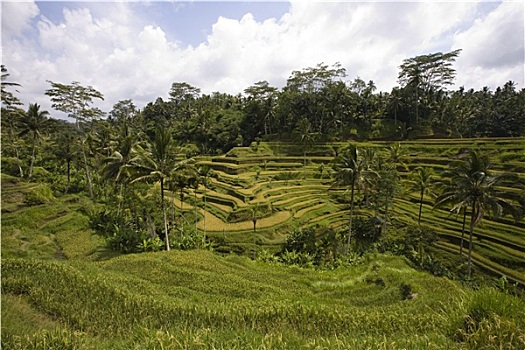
(42, 194)
(10, 166)
(126, 239)
(366, 231)
(406, 291)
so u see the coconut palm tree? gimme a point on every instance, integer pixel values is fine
(118, 166)
(473, 185)
(157, 162)
(306, 137)
(33, 122)
(204, 172)
(183, 176)
(256, 212)
(421, 181)
(66, 149)
(348, 167)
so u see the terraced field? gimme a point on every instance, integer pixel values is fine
(288, 194)
(62, 288)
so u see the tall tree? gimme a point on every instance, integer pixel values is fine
(11, 115)
(33, 123)
(385, 186)
(157, 162)
(472, 184)
(259, 110)
(8, 99)
(425, 73)
(183, 92)
(75, 100)
(348, 167)
(305, 136)
(123, 113)
(421, 181)
(154, 164)
(66, 149)
(204, 172)
(255, 213)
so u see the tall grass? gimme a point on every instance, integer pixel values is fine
(195, 297)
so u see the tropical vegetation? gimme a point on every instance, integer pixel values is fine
(324, 214)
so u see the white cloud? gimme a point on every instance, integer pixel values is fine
(111, 47)
(16, 17)
(493, 48)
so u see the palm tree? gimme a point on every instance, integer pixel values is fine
(118, 166)
(32, 123)
(66, 150)
(255, 213)
(306, 137)
(348, 168)
(156, 163)
(386, 187)
(183, 175)
(204, 172)
(422, 182)
(365, 180)
(472, 184)
(395, 102)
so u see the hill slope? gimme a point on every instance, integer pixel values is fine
(196, 299)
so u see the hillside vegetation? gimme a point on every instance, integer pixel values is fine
(271, 175)
(64, 288)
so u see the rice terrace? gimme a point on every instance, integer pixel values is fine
(323, 215)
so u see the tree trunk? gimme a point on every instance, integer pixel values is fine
(463, 232)
(254, 239)
(164, 214)
(469, 269)
(18, 163)
(205, 211)
(420, 207)
(68, 176)
(181, 213)
(88, 174)
(32, 158)
(395, 117)
(351, 216)
(386, 214)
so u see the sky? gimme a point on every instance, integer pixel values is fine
(136, 50)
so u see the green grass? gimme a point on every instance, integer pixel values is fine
(225, 300)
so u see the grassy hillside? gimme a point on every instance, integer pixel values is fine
(63, 289)
(196, 299)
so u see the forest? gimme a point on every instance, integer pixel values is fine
(267, 218)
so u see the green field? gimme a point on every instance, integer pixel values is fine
(62, 288)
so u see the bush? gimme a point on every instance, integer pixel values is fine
(42, 194)
(406, 291)
(10, 166)
(41, 175)
(126, 239)
(366, 231)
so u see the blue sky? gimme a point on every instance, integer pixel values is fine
(188, 22)
(136, 50)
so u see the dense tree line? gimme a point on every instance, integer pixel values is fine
(317, 101)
